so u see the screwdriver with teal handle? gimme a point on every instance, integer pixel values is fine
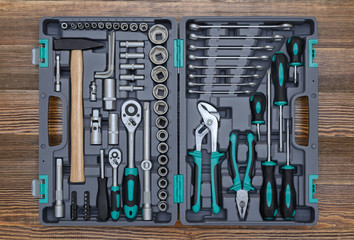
(268, 194)
(258, 103)
(295, 47)
(287, 192)
(280, 78)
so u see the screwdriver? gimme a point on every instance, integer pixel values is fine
(268, 194)
(287, 192)
(280, 78)
(102, 194)
(295, 48)
(258, 103)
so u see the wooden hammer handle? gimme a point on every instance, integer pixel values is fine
(77, 169)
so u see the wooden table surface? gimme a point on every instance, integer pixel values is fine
(19, 115)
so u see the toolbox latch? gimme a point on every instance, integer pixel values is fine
(40, 188)
(312, 52)
(40, 54)
(178, 53)
(178, 188)
(312, 188)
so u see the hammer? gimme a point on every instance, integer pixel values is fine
(76, 46)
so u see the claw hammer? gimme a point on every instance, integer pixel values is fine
(76, 46)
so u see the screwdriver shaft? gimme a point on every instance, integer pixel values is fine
(287, 142)
(295, 74)
(268, 115)
(280, 128)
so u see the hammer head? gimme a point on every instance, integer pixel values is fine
(76, 44)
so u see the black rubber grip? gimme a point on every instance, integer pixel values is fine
(268, 201)
(287, 194)
(257, 104)
(280, 75)
(102, 200)
(295, 47)
(131, 192)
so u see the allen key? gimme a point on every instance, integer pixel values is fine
(191, 66)
(192, 76)
(195, 27)
(266, 47)
(194, 57)
(193, 36)
(111, 55)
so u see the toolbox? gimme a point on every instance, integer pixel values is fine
(165, 121)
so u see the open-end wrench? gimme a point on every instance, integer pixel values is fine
(194, 57)
(195, 27)
(250, 84)
(115, 158)
(192, 76)
(193, 36)
(131, 117)
(191, 67)
(267, 47)
(219, 92)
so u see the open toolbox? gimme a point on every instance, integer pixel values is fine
(162, 121)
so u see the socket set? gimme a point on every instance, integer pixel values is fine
(161, 120)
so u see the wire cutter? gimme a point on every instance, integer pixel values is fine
(210, 123)
(242, 190)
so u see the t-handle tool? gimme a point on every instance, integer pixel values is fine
(240, 188)
(76, 45)
(287, 192)
(280, 74)
(258, 104)
(210, 120)
(268, 194)
(102, 194)
(295, 47)
(115, 158)
(131, 117)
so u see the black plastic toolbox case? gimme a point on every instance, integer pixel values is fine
(182, 114)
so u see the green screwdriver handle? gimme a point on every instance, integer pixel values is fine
(257, 104)
(280, 74)
(115, 202)
(295, 48)
(247, 180)
(131, 192)
(287, 193)
(268, 193)
(233, 146)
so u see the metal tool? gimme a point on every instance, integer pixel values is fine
(64, 25)
(131, 88)
(162, 147)
(95, 125)
(194, 57)
(131, 117)
(266, 47)
(133, 27)
(159, 74)
(162, 194)
(161, 122)
(116, 26)
(143, 27)
(59, 203)
(108, 25)
(193, 36)
(160, 91)
(100, 25)
(76, 46)
(93, 25)
(162, 182)
(287, 192)
(80, 25)
(162, 135)
(102, 193)
(113, 130)
(73, 26)
(93, 91)
(109, 94)
(131, 77)
(111, 57)
(242, 188)
(280, 73)
(87, 26)
(132, 66)
(162, 159)
(131, 44)
(160, 107)
(219, 92)
(194, 84)
(57, 76)
(192, 76)
(87, 206)
(258, 104)
(295, 47)
(115, 158)
(146, 165)
(191, 67)
(124, 26)
(162, 206)
(210, 123)
(132, 55)
(195, 27)
(73, 206)
(158, 55)
(162, 171)
(158, 34)
(268, 193)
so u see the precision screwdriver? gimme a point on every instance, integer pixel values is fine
(258, 103)
(295, 48)
(102, 194)
(287, 192)
(280, 73)
(268, 194)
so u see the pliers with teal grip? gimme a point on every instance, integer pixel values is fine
(240, 188)
(210, 123)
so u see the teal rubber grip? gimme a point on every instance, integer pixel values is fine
(268, 193)
(197, 156)
(131, 192)
(295, 48)
(280, 75)
(115, 202)
(237, 185)
(288, 193)
(215, 181)
(247, 181)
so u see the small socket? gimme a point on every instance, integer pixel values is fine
(73, 26)
(158, 55)
(162, 194)
(160, 91)
(100, 25)
(133, 27)
(143, 27)
(162, 147)
(160, 107)
(124, 26)
(87, 25)
(162, 206)
(93, 25)
(159, 74)
(116, 26)
(64, 25)
(161, 122)
(162, 135)
(108, 25)
(162, 159)
(162, 182)
(162, 171)
(80, 25)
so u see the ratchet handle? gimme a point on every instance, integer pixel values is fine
(215, 181)
(115, 202)
(247, 181)
(237, 185)
(131, 192)
(196, 204)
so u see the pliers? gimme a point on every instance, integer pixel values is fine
(210, 123)
(242, 190)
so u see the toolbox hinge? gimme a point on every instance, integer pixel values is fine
(40, 54)
(178, 53)
(312, 188)
(178, 188)
(40, 188)
(312, 52)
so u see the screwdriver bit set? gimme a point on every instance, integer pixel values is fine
(165, 121)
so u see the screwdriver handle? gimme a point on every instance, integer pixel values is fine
(215, 181)
(102, 199)
(197, 156)
(295, 48)
(287, 193)
(247, 180)
(257, 104)
(115, 202)
(235, 175)
(280, 74)
(268, 193)
(131, 192)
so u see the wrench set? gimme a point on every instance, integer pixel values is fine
(133, 152)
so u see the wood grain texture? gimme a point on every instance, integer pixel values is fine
(19, 115)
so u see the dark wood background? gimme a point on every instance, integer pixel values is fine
(19, 115)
